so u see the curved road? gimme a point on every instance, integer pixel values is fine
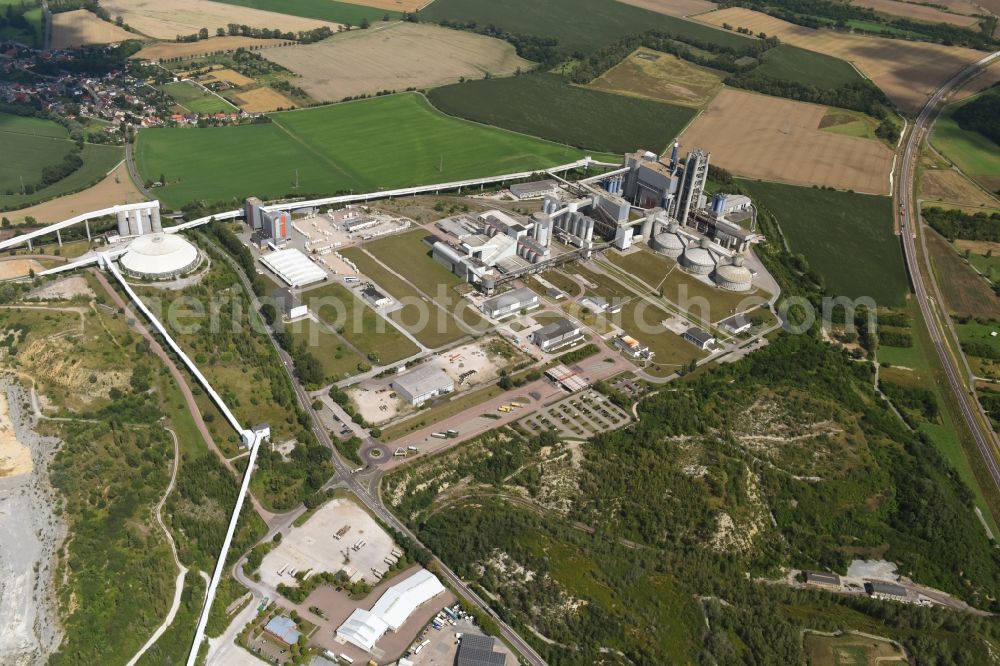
(909, 219)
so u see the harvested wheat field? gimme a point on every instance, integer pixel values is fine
(674, 7)
(950, 186)
(229, 76)
(79, 28)
(916, 12)
(397, 57)
(778, 139)
(166, 50)
(116, 188)
(166, 20)
(908, 72)
(660, 76)
(986, 78)
(261, 100)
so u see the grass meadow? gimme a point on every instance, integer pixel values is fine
(790, 63)
(577, 25)
(972, 152)
(382, 143)
(196, 100)
(546, 106)
(846, 237)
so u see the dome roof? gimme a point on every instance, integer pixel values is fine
(698, 256)
(734, 273)
(668, 240)
(159, 254)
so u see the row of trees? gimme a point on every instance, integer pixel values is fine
(982, 115)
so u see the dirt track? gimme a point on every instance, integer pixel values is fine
(396, 57)
(778, 139)
(166, 20)
(908, 72)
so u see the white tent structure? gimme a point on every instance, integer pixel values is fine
(364, 628)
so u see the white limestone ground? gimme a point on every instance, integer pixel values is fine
(30, 537)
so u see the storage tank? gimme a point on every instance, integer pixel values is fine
(734, 276)
(697, 259)
(668, 243)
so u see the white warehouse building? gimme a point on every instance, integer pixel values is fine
(509, 303)
(293, 267)
(365, 627)
(423, 384)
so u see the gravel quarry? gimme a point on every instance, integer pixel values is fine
(30, 535)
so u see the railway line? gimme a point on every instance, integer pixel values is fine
(909, 220)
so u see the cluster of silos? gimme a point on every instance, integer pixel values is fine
(697, 258)
(733, 275)
(578, 225)
(542, 231)
(531, 250)
(668, 242)
(614, 184)
(139, 221)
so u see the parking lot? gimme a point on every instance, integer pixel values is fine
(315, 547)
(581, 415)
(443, 644)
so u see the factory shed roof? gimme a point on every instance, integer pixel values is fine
(293, 267)
(362, 628)
(511, 299)
(284, 628)
(400, 600)
(423, 380)
(475, 650)
(534, 188)
(735, 324)
(557, 328)
(698, 335)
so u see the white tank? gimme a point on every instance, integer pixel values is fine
(697, 260)
(668, 244)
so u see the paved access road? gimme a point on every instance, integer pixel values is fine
(909, 221)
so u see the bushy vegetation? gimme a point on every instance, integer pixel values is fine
(954, 224)
(982, 115)
(326, 10)
(547, 106)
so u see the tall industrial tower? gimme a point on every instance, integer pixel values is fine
(692, 185)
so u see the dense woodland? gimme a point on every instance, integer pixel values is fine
(954, 224)
(982, 115)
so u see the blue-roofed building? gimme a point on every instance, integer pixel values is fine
(284, 629)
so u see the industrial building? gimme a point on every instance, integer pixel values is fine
(277, 228)
(558, 334)
(737, 324)
(365, 627)
(253, 214)
(509, 303)
(533, 190)
(291, 306)
(699, 338)
(888, 591)
(422, 384)
(375, 297)
(138, 221)
(823, 579)
(633, 348)
(283, 629)
(655, 182)
(160, 257)
(475, 650)
(293, 267)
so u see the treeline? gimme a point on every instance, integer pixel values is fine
(863, 97)
(832, 14)
(982, 115)
(954, 224)
(238, 30)
(543, 50)
(725, 58)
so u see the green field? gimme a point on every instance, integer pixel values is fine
(360, 325)
(577, 25)
(326, 10)
(980, 334)
(790, 63)
(846, 237)
(972, 152)
(32, 35)
(29, 145)
(387, 142)
(196, 100)
(98, 160)
(545, 105)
